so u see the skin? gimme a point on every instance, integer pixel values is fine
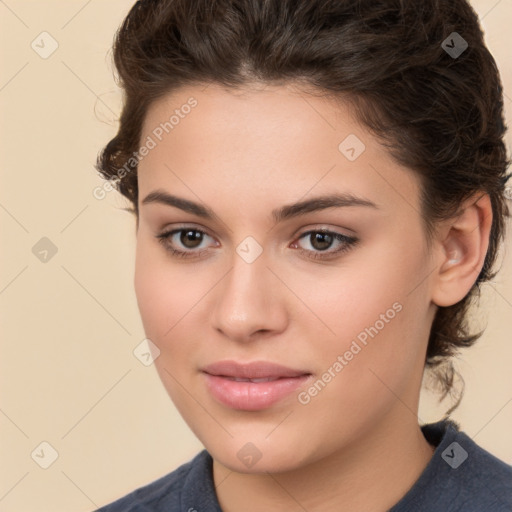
(244, 153)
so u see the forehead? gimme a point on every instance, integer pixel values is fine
(266, 141)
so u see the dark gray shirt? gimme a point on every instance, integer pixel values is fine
(460, 477)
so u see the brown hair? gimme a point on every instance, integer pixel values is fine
(439, 114)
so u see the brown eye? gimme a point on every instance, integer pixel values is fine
(322, 240)
(183, 242)
(191, 238)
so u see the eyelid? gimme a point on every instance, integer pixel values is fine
(349, 233)
(345, 244)
(171, 231)
(346, 241)
(183, 227)
(296, 233)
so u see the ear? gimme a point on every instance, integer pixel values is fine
(460, 247)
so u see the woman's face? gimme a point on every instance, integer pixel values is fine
(346, 313)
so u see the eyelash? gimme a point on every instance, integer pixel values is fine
(348, 242)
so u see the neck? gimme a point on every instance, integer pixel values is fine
(373, 473)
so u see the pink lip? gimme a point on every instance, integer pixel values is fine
(252, 396)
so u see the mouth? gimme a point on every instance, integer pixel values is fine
(252, 386)
(241, 379)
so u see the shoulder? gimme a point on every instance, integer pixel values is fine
(484, 480)
(168, 492)
(461, 476)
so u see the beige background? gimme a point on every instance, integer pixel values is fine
(68, 375)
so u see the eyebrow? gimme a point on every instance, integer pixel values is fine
(279, 214)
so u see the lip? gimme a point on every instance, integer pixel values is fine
(279, 382)
(252, 370)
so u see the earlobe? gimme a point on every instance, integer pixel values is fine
(461, 249)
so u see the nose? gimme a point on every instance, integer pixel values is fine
(251, 302)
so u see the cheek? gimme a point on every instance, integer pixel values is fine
(161, 293)
(377, 313)
(164, 297)
(167, 296)
(358, 296)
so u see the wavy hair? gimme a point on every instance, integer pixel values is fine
(439, 114)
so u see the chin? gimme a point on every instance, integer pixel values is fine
(250, 458)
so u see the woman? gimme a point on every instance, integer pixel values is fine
(319, 191)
